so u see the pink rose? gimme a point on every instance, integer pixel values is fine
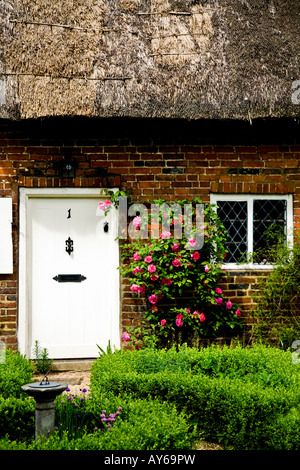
(148, 259)
(219, 300)
(176, 262)
(165, 234)
(134, 288)
(166, 281)
(104, 205)
(137, 270)
(163, 322)
(195, 255)
(218, 290)
(179, 320)
(202, 317)
(136, 256)
(192, 242)
(153, 299)
(137, 222)
(238, 312)
(154, 277)
(126, 336)
(228, 305)
(151, 268)
(175, 247)
(154, 309)
(206, 268)
(188, 310)
(196, 312)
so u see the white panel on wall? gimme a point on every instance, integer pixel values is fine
(6, 247)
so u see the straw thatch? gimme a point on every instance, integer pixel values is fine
(191, 59)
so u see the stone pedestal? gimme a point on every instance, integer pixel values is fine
(44, 396)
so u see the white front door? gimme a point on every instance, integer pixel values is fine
(72, 277)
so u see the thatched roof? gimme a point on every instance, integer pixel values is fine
(190, 59)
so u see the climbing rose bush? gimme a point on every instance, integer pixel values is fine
(180, 285)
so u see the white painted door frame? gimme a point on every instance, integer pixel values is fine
(24, 291)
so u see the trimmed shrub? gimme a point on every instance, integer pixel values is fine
(237, 396)
(144, 425)
(15, 372)
(17, 418)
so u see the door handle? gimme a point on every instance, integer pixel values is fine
(69, 278)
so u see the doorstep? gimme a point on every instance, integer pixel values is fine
(72, 365)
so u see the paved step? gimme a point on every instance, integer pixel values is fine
(78, 365)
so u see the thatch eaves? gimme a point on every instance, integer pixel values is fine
(190, 59)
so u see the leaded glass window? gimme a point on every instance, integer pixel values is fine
(234, 216)
(254, 224)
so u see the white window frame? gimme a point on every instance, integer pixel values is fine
(249, 198)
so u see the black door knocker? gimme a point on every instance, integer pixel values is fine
(105, 227)
(69, 246)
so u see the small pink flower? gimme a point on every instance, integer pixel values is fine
(188, 310)
(154, 277)
(165, 234)
(176, 262)
(192, 242)
(136, 256)
(228, 305)
(137, 270)
(148, 259)
(104, 205)
(202, 317)
(134, 288)
(163, 322)
(175, 247)
(196, 312)
(126, 336)
(151, 268)
(141, 289)
(195, 256)
(166, 281)
(153, 299)
(238, 312)
(218, 290)
(219, 300)
(206, 268)
(179, 320)
(137, 222)
(154, 309)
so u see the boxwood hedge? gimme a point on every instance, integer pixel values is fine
(247, 398)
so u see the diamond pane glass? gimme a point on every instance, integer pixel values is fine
(233, 215)
(269, 224)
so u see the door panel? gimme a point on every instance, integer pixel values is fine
(71, 318)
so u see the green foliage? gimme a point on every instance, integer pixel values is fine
(16, 418)
(241, 397)
(180, 284)
(42, 361)
(276, 318)
(142, 425)
(14, 372)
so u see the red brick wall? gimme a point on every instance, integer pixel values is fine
(181, 163)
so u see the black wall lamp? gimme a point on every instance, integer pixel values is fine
(66, 167)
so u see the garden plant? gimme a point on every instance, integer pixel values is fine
(178, 282)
